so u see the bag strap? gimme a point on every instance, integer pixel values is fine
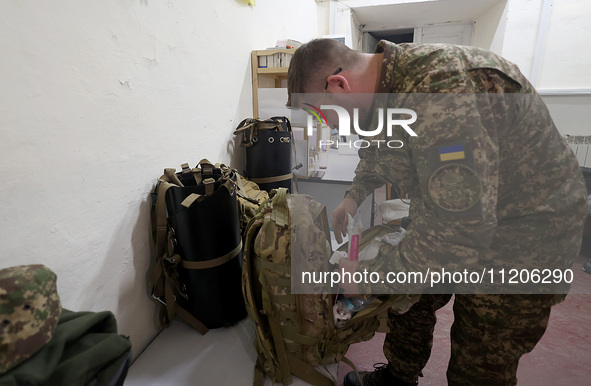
(281, 121)
(268, 180)
(160, 227)
(249, 191)
(202, 171)
(165, 284)
(274, 325)
(249, 128)
(266, 356)
(280, 213)
(163, 291)
(213, 262)
(309, 373)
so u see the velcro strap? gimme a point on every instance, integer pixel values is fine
(213, 262)
(187, 202)
(268, 180)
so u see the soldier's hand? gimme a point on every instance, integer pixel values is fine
(339, 217)
(350, 288)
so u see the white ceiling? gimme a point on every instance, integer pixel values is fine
(384, 15)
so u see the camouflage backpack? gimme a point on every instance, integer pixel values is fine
(295, 333)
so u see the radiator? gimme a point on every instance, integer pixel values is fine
(581, 146)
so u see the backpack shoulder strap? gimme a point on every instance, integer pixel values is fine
(165, 286)
(266, 357)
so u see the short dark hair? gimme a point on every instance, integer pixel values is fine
(315, 61)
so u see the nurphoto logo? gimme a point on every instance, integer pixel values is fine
(392, 117)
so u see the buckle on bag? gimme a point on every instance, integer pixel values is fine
(171, 260)
(207, 169)
(159, 300)
(185, 168)
(209, 186)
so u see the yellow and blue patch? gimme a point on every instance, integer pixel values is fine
(452, 153)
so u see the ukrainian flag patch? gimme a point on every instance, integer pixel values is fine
(451, 153)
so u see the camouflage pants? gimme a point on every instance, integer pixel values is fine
(489, 335)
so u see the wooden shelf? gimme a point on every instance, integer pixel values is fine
(274, 51)
(275, 73)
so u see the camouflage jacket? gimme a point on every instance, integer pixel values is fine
(492, 183)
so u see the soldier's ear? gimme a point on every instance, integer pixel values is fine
(338, 84)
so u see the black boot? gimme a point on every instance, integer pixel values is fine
(587, 266)
(381, 376)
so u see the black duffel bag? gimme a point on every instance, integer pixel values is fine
(199, 249)
(268, 151)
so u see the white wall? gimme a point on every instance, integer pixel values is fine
(571, 113)
(97, 98)
(511, 28)
(521, 28)
(489, 28)
(566, 61)
(553, 55)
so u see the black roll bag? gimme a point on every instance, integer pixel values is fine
(268, 145)
(203, 258)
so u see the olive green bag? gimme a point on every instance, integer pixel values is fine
(295, 333)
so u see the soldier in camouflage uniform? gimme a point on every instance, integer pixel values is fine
(512, 197)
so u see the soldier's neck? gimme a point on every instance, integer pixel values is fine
(370, 71)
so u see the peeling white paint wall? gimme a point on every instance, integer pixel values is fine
(96, 99)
